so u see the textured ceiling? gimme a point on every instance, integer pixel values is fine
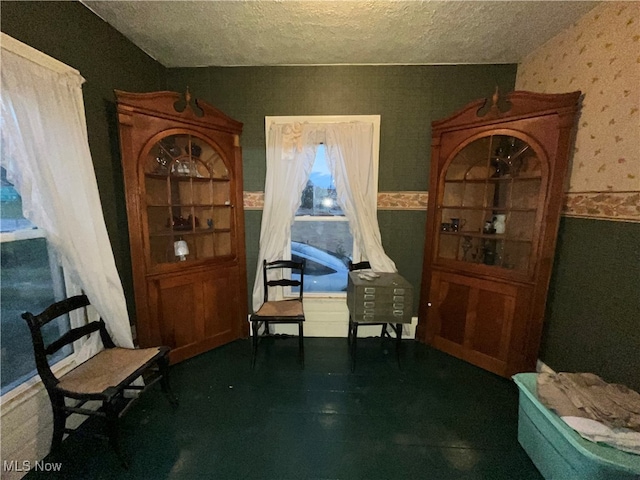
(226, 33)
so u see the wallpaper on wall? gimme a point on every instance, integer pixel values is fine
(386, 200)
(599, 55)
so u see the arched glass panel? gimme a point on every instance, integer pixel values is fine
(489, 205)
(188, 200)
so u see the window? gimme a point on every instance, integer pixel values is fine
(30, 281)
(320, 233)
(297, 177)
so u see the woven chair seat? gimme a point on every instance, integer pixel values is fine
(281, 308)
(108, 368)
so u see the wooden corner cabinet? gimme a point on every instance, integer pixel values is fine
(495, 197)
(182, 168)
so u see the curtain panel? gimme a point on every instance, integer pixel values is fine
(45, 152)
(291, 151)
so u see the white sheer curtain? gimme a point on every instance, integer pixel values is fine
(349, 157)
(291, 152)
(46, 155)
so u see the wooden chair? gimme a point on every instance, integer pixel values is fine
(105, 377)
(279, 311)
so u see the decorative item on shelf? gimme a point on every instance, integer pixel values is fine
(179, 223)
(181, 249)
(488, 228)
(515, 159)
(457, 224)
(445, 227)
(181, 167)
(195, 221)
(489, 252)
(498, 164)
(499, 223)
(195, 150)
(168, 144)
(161, 163)
(466, 246)
(210, 223)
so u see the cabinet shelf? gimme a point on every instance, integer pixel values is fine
(189, 205)
(487, 236)
(199, 231)
(185, 178)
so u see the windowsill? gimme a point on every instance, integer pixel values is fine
(27, 390)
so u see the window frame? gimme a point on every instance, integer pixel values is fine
(329, 119)
(63, 286)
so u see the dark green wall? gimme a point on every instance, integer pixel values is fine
(593, 307)
(408, 98)
(72, 34)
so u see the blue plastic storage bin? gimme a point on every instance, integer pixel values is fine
(558, 451)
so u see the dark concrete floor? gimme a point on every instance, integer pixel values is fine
(436, 418)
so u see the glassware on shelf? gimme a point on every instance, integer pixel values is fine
(466, 246)
(181, 249)
(457, 224)
(182, 167)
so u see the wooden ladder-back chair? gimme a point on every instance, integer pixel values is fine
(105, 377)
(280, 311)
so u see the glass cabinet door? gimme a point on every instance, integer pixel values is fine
(188, 201)
(489, 203)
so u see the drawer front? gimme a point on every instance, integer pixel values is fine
(380, 304)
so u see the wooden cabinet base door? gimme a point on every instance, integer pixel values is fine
(194, 313)
(475, 320)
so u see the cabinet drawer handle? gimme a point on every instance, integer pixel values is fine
(370, 290)
(369, 312)
(369, 304)
(367, 317)
(398, 313)
(398, 305)
(369, 297)
(398, 298)
(398, 291)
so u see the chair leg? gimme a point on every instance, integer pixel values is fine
(301, 342)
(349, 332)
(59, 421)
(114, 434)
(254, 350)
(398, 342)
(163, 365)
(384, 333)
(354, 343)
